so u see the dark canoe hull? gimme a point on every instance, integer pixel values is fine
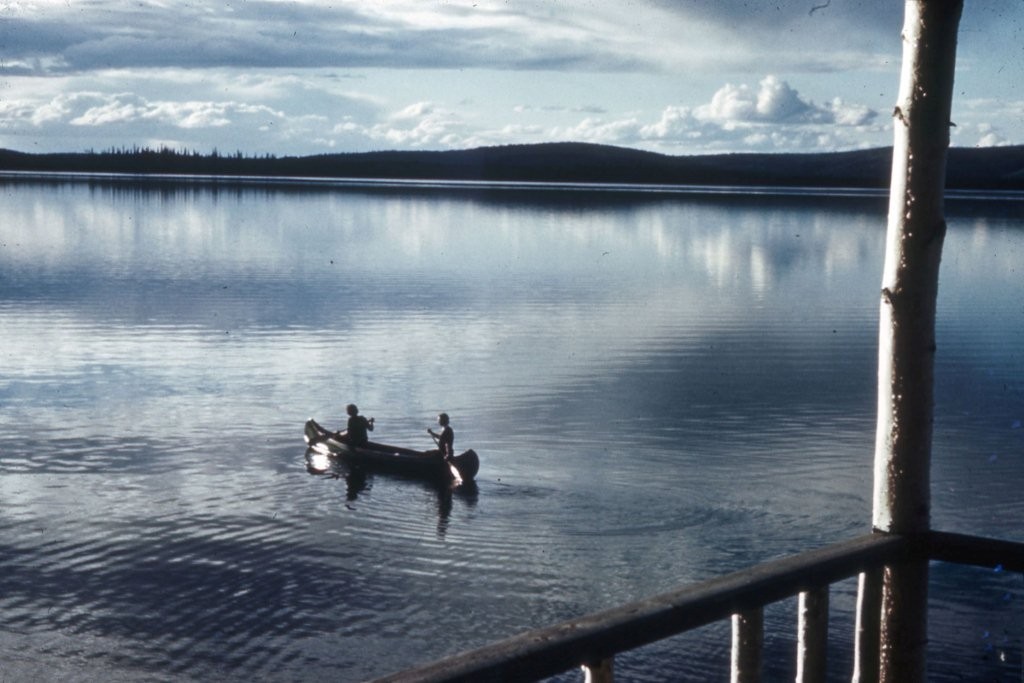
(385, 458)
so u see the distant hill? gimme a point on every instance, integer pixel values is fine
(567, 162)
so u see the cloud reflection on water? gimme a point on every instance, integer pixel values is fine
(689, 380)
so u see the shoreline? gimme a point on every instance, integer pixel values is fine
(481, 186)
(564, 165)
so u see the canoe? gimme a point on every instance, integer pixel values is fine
(385, 458)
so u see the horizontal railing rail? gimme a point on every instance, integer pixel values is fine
(977, 551)
(598, 637)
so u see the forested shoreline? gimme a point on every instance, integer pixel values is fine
(996, 168)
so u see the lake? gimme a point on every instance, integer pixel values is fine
(661, 387)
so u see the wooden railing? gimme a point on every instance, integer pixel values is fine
(592, 641)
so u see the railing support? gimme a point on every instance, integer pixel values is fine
(904, 634)
(598, 637)
(747, 646)
(599, 672)
(812, 636)
(866, 636)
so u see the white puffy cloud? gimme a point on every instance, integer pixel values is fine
(978, 134)
(776, 102)
(421, 125)
(991, 140)
(616, 132)
(772, 117)
(675, 122)
(982, 122)
(284, 112)
(96, 110)
(105, 120)
(415, 112)
(846, 114)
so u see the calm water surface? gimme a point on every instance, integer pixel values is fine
(661, 389)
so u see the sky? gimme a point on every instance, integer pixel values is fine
(300, 77)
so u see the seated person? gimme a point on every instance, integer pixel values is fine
(357, 432)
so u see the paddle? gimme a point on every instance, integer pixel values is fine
(450, 461)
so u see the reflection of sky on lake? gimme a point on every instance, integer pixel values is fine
(660, 388)
(572, 304)
(469, 296)
(554, 291)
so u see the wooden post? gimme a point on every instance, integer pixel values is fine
(747, 646)
(910, 278)
(812, 636)
(600, 672)
(866, 636)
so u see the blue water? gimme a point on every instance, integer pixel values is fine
(661, 389)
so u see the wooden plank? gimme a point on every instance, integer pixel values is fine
(975, 550)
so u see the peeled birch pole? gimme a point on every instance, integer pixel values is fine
(906, 353)
(866, 632)
(910, 278)
(812, 636)
(747, 646)
(601, 672)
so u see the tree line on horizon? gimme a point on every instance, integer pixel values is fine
(165, 152)
(567, 162)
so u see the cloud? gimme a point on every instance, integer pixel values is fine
(282, 113)
(980, 134)
(107, 34)
(776, 102)
(419, 126)
(105, 120)
(94, 109)
(982, 122)
(547, 109)
(414, 112)
(638, 36)
(805, 16)
(616, 132)
(772, 117)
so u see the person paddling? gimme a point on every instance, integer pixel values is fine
(445, 438)
(357, 432)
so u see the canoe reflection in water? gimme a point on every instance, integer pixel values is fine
(356, 479)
